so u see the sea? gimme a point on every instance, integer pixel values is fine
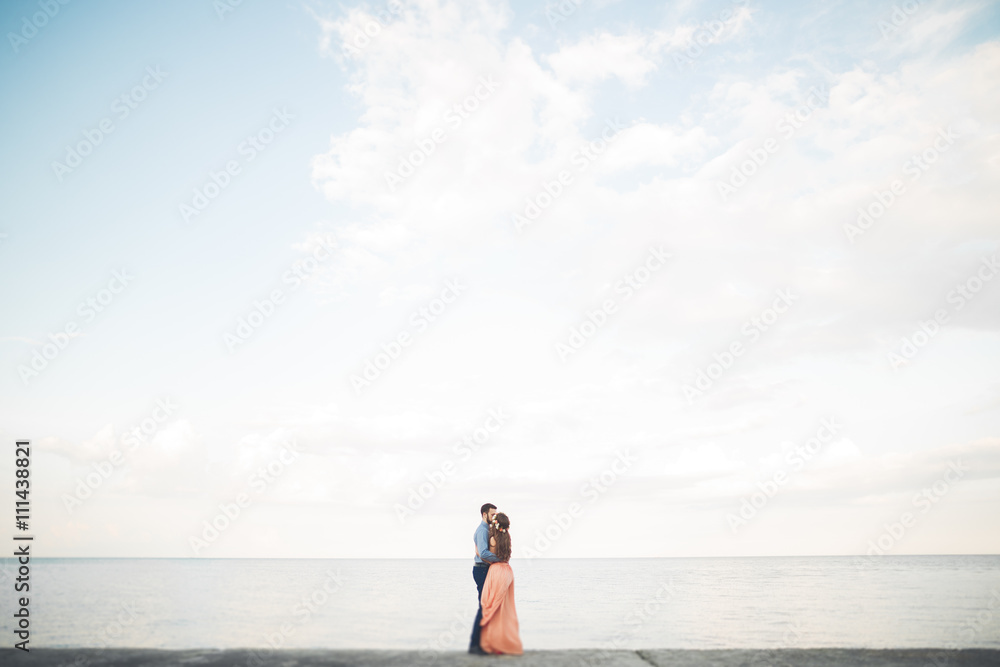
(693, 603)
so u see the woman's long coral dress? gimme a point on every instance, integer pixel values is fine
(500, 631)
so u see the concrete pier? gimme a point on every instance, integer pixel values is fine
(565, 658)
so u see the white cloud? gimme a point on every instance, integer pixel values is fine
(654, 184)
(627, 57)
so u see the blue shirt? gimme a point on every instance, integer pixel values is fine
(482, 540)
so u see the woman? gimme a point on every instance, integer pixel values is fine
(500, 631)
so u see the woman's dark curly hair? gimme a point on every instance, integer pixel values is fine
(500, 529)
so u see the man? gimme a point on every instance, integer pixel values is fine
(481, 566)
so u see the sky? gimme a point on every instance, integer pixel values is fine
(310, 279)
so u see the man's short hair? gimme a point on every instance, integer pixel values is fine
(487, 507)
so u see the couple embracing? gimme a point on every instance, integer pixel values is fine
(496, 629)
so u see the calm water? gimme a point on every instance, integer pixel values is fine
(898, 601)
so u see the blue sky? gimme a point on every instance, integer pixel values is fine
(696, 90)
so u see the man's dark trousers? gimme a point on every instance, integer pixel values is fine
(479, 573)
